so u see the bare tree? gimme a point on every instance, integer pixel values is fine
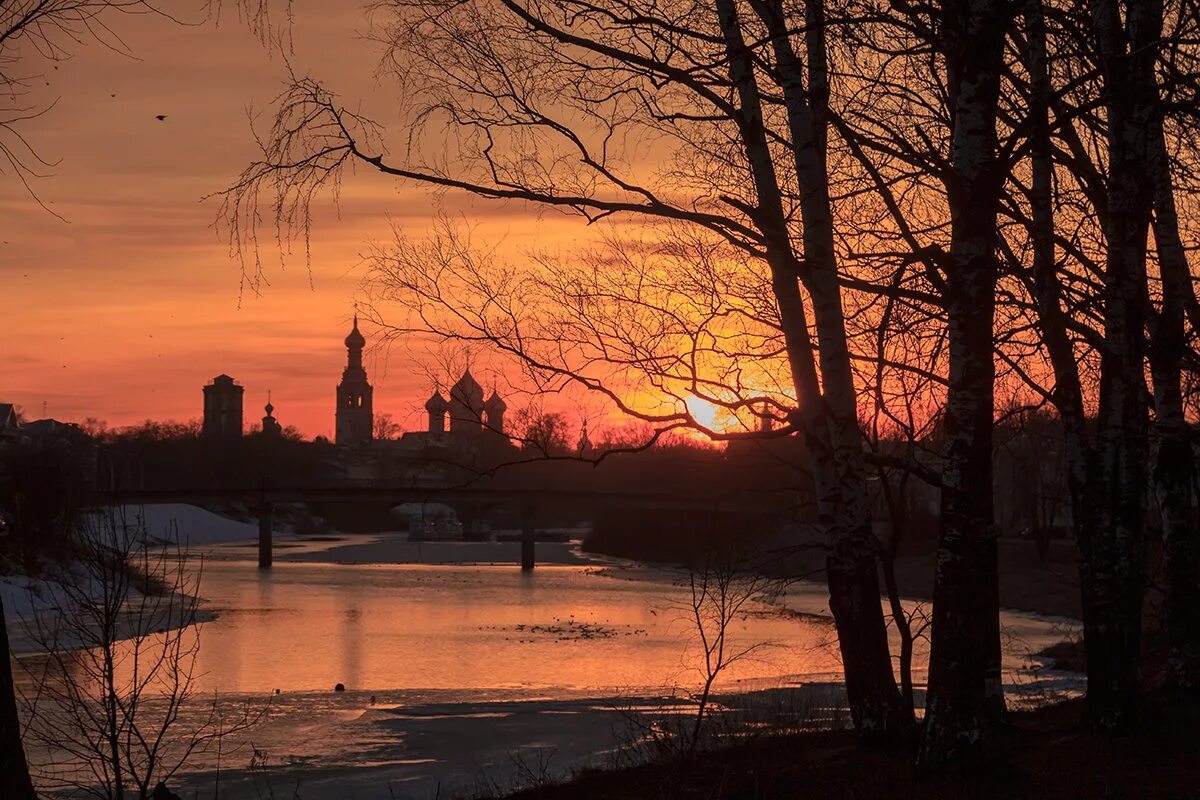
(1174, 470)
(115, 708)
(551, 104)
(965, 696)
(540, 432)
(900, 433)
(1113, 551)
(721, 586)
(386, 427)
(1091, 197)
(821, 171)
(1172, 346)
(34, 33)
(924, 127)
(49, 31)
(1110, 156)
(724, 584)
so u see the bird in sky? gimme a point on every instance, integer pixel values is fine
(160, 117)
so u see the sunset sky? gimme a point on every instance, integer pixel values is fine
(123, 309)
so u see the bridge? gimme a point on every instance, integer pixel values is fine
(265, 498)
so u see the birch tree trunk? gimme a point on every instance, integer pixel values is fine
(1113, 557)
(1174, 464)
(828, 409)
(1052, 319)
(14, 771)
(965, 698)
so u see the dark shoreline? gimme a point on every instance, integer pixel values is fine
(1044, 754)
(1046, 585)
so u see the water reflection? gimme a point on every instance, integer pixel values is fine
(309, 626)
(304, 627)
(419, 646)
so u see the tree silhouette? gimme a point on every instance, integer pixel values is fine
(825, 197)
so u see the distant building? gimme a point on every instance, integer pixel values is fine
(465, 430)
(270, 425)
(355, 420)
(493, 413)
(437, 406)
(10, 428)
(584, 449)
(470, 415)
(80, 449)
(44, 429)
(466, 405)
(222, 410)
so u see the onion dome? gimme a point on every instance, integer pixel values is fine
(467, 390)
(436, 404)
(355, 340)
(495, 403)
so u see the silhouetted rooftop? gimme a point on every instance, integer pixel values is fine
(355, 340)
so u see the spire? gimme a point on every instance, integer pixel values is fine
(493, 411)
(355, 340)
(270, 425)
(436, 402)
(468, 393)
(585, 443)
(437, 406)
(355, 417)
(495, 403)
(467, 385)
(466, 404)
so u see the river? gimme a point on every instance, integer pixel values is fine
(458, 675)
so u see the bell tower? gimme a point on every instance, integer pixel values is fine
(222, 410)
(355, 420)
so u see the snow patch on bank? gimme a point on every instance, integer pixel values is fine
(191, 526)
(23, 597)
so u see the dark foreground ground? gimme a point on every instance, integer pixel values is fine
(1044, 755)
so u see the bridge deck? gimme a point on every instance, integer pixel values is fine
(488, 496)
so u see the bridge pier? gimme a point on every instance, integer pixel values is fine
(265, 524)
(528, 539)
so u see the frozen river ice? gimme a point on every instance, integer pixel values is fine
(454, 670)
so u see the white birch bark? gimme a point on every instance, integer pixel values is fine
(965, 698)
(828, 410)
(1112, 552)
(1174, 471)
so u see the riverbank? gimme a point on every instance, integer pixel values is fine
(33, 603)
(1043, 755)
(414, 744)
(1043, 584)
(1038, 582)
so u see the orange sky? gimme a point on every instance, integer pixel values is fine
(127, 308)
